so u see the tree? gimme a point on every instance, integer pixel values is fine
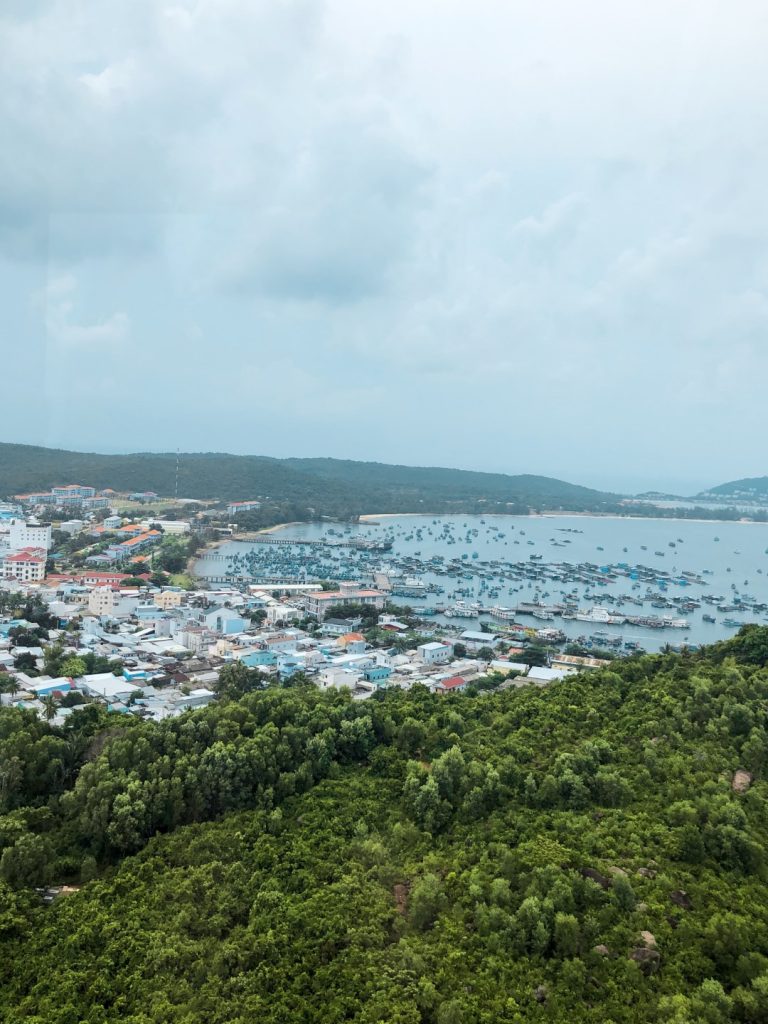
(566, 934)
(450, 1012)
(73, 668)
(449, 772)
(27, 862)
(88, 869)
(22, 637)
(535, 654)
(49, 706)
(426, 902)
(9, 684)
(236, 679)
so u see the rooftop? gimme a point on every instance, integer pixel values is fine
(453, 683)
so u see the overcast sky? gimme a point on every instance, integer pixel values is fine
(516, 236)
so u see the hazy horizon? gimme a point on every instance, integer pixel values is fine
(509, 242)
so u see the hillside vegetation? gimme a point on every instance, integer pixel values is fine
(755, 486)
(594, 852)
(328, 485)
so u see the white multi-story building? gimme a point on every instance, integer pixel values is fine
(281, 613)
(319, 603)
(242, 506)
(73, 492)
(72, 526)
(27, 565)
(101, 601)
(173, 525)
(22, 534)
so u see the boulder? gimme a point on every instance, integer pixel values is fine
(601, 950)
(601, 880)
(681, 899)
(649, 939)
(648, 959)
(741, 781)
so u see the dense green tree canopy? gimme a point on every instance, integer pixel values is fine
(586, 852)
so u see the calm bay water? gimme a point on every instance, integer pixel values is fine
(733, 556)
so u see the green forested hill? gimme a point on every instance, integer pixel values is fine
(580, 853)
(755, 486)
(446, 484)
(329, 485)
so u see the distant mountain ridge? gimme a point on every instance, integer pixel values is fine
(328, 484)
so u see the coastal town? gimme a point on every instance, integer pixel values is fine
(100, 605)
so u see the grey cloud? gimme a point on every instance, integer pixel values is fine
(504, 220)
(341, 216)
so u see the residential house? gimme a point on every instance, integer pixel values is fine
(336, 675)
(198, 698)
(338, 627)
(435, 653)
(453, 684)
(110, 688)
(259, 658)
(353, 643)
(225, 620)
(45, 687)
(378, 674)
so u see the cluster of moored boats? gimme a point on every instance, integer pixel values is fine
(483, 578)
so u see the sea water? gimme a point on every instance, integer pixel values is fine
(734, 557)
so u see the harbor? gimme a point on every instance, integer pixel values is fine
(625, 584)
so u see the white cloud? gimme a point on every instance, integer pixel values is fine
(531, 210)
(58, 303)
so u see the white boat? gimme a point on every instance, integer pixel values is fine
(503, 614)
(675, 623)
(462, 610)
(597, 614)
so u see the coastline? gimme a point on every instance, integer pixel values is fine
(374, 517)
(236, 538)
(556, 514)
